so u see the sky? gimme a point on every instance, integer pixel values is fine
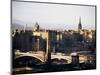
(53, 16)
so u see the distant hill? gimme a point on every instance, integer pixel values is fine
(16, 26)
(20, 27)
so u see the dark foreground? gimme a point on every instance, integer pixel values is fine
(55, 68)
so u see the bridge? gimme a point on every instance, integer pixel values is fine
(40, 55)
(60, 56)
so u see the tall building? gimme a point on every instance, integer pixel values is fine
(79, 25)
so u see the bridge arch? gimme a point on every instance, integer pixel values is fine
(57, 60)
(36, 57)
(26, 61)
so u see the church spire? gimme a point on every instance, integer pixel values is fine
(79, 25)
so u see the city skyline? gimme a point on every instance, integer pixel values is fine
(53, 16)
(51, 37)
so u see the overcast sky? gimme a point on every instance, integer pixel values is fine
(53, 16)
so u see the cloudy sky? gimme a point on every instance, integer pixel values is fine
(53, 16)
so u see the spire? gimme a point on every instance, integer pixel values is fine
(80, 20)
(79, 25)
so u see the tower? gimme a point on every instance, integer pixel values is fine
(79, 25)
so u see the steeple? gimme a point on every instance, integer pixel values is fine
(79, 25)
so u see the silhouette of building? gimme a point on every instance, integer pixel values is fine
(79, 25)
(23, 40)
